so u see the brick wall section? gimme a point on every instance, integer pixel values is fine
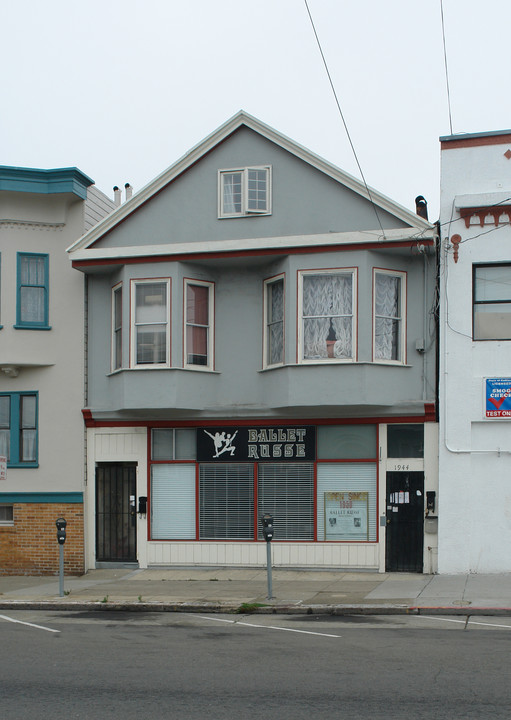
(30, 547)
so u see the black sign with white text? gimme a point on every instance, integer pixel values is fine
(266, 444)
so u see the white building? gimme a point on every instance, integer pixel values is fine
(474, 504)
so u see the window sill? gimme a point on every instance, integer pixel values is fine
(32, 327)
(334, 363)
(23, 465)
(244, 215)
(159, 368)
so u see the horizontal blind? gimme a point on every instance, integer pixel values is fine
(347, 477)
(226, 501)
(173, 502)
(286, 491)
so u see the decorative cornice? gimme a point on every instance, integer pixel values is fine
(483, 212)
(47, 182)
(33, 224)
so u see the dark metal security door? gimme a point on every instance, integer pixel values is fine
(116, 519)
(404, 545)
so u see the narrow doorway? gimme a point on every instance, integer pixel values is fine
(116, 519)
(404, 541)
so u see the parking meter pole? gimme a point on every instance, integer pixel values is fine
(61, 570)
(61, 524)
(268, 568)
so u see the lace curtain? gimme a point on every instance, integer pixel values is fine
(387, 317)
(231, 193)
(275, 322)
(328, 316)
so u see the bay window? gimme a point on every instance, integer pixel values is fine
(389, 293)
(274, 321)
(117, 327)
(150, 332)
(199, 315)
(327, 326)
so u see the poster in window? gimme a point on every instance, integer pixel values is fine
(347, 516)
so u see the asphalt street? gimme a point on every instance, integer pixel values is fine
(176, 665)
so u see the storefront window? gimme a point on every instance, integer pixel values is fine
(168, 444)
(226, 501)
(286, 491)
(346, 502)
(346, 442)
(173, 501)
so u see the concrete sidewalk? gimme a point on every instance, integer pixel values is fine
(246, 590)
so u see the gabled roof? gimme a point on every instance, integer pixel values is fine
(196, 153)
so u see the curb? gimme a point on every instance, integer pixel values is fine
(229, 608)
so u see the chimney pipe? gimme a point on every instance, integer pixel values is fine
(421, 207)
(117, 196)
(129, 191)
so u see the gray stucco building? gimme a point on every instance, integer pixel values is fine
(261, 338)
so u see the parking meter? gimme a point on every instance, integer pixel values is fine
(61, 530)
(267, 521)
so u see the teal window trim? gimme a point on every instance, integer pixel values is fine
(16, 430)
(22, 324)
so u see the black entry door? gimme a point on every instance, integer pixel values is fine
(116, 519)
(404, 542)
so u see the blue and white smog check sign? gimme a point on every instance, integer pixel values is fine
(498, 398)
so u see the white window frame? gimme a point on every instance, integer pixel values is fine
(353, 271)
(267, 322)
(10, 521)
(246, 210)
(135, 282)
(484, 334)
(401, 355)
(114, 366)
(211, 325)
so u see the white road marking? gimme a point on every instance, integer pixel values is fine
(267, 627)
(20, 622)
(464, 622)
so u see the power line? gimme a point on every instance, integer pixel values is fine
(445, 65)
(343, 120)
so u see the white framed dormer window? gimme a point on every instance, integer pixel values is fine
(273, 343)
(199, 313)
(327, 315)
(117, 327)
(150, 323)
(389, 316)
(244, 192)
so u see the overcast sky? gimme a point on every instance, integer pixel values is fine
(122, 89)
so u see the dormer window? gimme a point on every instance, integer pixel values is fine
(244, 192)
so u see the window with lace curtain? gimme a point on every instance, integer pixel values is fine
(274, 321)
(327, 329)
(244, 192)
(389, 293)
